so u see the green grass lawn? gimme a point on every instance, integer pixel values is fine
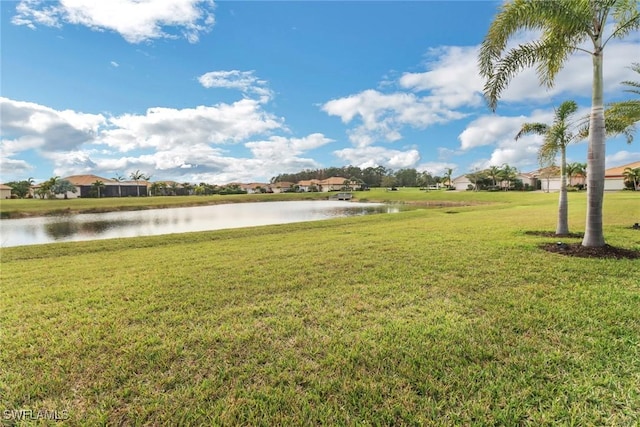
(431, 316)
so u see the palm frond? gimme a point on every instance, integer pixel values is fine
(515, 60)
(547, 153)
(532, 128)
(625, 15)
(565, 24)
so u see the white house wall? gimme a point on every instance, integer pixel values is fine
(613, 184)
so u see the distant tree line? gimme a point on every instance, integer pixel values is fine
(378, 176)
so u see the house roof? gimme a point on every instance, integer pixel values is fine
(462, 178)
(334, 180)
(4, 187)
(283, 184)
(88, 179)
(308, 182)
(618, 171)
(81, 180)
(253, 185)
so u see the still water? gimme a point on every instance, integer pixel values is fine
(32, 231)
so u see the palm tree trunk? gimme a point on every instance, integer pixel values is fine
(562, 227)
(594, 235)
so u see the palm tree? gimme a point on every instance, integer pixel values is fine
(622, 116)
(119, 179)
(556, 138)
(154, 188)
(46, 188)
(632, 175)
(97, 185)
(494, 173)
(571, 171)
(507, 173)
(564, 27)
(188, 187)
(137, 176)
(476, 176)
(446, 180)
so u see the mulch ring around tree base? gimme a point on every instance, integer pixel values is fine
(577, 250)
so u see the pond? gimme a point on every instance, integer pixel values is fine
(32, 231)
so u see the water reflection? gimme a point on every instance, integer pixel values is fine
(30, 231)
(62, 229)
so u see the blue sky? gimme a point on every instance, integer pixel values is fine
(234, 91)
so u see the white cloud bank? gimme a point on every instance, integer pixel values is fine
(135, 20)
(183, 144)
(451, 88)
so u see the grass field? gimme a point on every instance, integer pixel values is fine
(434, 316)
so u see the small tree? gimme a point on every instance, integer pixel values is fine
(507, 173)
(446, 179)
(389, 181)
(97, 186)
(494, 172)
(632, 176)
(21, 188)
(475, 177)
(556, 138)
(138, 176)
(63, 186)
(119, 179)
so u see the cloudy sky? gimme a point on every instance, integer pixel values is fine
(192, 90)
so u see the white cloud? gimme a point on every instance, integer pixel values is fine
(30, 125)
(13, 167)
(173, 142)
(453, 78)
(622, 158)
(491, 130)
(114, 64)
(500, 132)
(371, 156)
(245, 81)
(135, 20)
(278, 147)
(163, 128)
(384, 115)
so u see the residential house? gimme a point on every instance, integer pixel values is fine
(614, 177)
(309, 184)
(528, 179)
(461, 183)
(337, 183)
(5, 191)
(167, 188)
(255, 187)
(112, 188)
(282, 186)
(548, 179)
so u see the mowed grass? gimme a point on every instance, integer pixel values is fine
(434, 316)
